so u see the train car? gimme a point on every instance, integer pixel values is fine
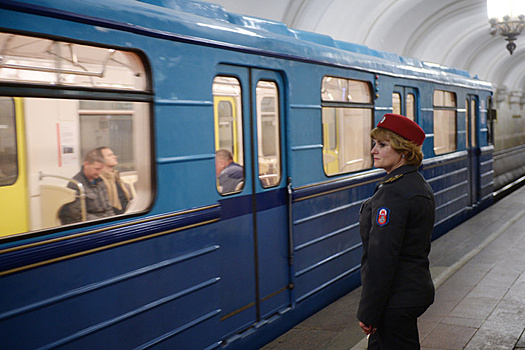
(190, 263)
(509, 141)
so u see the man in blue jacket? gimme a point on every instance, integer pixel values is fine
(229, 173)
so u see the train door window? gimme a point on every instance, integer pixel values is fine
(472, 123)
(59, 132)
(347, 121)
(467, 121)
(491, 114)
(8, 149)
(268, 131)
(445, 126)
(396, 103)
(226, 124)
(411, 107)
(228, 134)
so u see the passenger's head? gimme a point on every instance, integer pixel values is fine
(223, 158)
(93, 164)
(404, 135)
(109, 157)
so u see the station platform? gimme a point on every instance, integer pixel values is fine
(478, 270)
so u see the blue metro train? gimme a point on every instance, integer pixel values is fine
(165, 84)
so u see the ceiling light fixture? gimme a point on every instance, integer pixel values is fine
(506, 17)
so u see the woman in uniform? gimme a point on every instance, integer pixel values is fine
(396, 225)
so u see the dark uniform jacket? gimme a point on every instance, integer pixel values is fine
(396, 225)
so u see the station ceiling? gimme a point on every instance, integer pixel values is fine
(453, 33)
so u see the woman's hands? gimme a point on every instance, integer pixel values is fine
(367, 329)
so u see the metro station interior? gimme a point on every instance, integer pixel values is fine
(167, 248)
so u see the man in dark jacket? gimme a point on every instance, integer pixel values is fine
(96, 194)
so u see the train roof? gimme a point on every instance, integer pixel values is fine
(211, 24)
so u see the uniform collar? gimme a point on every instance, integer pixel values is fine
(396, 174)
(404, 169)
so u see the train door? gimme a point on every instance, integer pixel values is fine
(472, 145)
(269, 191)
(404, 101)
(14, 207)
(249, 123)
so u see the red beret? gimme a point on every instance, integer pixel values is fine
(404, 127)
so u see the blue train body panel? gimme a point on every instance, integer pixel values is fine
(196, 269)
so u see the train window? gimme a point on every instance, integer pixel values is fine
(229, 158)
(411, 107)
(59, 137)
(444, 99)
(445, 129)
(473, 108)
(226, 124)
(334, 89)
(346, 125)
(8, 150)
(268, 123)
(396, 103)
(82, 159)
(344, 90)
(467, 123)
(42, 61)
(491, 114)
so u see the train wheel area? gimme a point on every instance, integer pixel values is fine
(478, 270)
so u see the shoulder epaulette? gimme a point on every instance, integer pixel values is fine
(392, 179)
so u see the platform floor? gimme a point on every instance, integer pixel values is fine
(479, 273)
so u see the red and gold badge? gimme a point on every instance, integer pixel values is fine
(383, 216)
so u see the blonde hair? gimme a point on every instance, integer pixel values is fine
(412, 152)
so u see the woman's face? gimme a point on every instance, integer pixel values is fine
(385, 156)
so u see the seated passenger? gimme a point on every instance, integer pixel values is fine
(119, 192)
(229, 173)
(97, 203)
